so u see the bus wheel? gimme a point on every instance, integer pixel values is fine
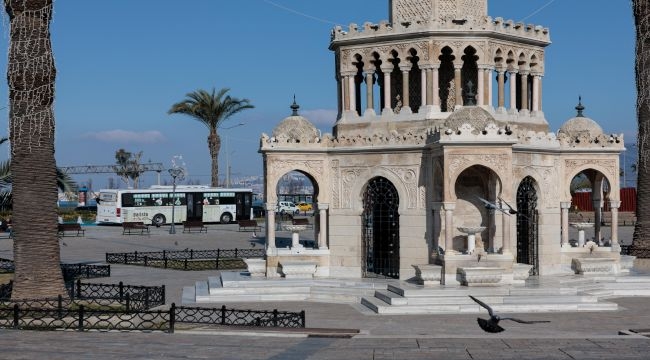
(158, 219)
(226, 218)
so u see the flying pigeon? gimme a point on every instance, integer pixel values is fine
(510, 208)
(493, 206)
(492, 325)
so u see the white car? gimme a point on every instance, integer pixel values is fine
(287, 207)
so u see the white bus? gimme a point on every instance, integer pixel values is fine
(154, 205)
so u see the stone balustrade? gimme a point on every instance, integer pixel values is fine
(298, 269)
(428, 274)
(480, 276)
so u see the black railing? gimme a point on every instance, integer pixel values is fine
(188, 259)
(640, 253)
(48, 316)
(71, 272)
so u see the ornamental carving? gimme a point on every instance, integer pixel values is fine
(412, 10)
(409, 179)
(546, 179)
(496, 162)
(608, 165)
(348, 178)
(335, 184)
(312, 167)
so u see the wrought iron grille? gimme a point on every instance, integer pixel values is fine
(71, 272)
(527, 227)
(224, 316)
(227, 259)
(381, 229)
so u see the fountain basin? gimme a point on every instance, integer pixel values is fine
(581, 226)
(471, 235)
(593, 266)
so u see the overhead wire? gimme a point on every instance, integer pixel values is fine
(300, 13)
(537, 11)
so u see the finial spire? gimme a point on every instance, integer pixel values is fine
(579, 107)
(294, 107)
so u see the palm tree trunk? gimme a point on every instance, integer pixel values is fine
(31, 75)
(214, 143)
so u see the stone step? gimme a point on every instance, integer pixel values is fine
(251, 298)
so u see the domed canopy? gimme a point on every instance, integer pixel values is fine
(295, 126)
(476, 116)
(580, 124)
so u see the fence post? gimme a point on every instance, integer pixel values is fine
(16, 316)
(60, 306)
(146, 260)
(191, 253)
(235, 253)
(163, 296)
(223, 314)
(218, 255)
(128, 302)
(302, 318)
(126, 258)
(146, 298)
(165, 262)
(275, 317)
(136, 257)
(185, 264)
(78, 289)
(81, 318)
(172, 318)
(121, 288)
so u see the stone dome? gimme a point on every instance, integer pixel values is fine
(476, 116)
(579, 125)
(295, 126)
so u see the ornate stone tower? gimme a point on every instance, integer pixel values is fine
(424, 11)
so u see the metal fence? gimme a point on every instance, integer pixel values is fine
(188, 259)
(47, 316)
(71, 272)
(640, 253)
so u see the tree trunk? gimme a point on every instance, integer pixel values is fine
(31, 75)
(214, 144)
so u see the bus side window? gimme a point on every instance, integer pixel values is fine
(127, 200)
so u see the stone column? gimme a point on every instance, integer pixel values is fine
(370, 102)
(346, 92)
(322, 237)
(459, 86)
(535, 93)
(449, 208)
(488, 80)
(436, 223)
(539, 94)
(501, 101)
(352, 93)
(524, 92)
(270, 227)
(435, 88)
(613, 206)
(406, 99)
(598, 219)
(424, 90)
(480, 87)
(505, 234)
(387, 100)
(512, 78)
(564, 213)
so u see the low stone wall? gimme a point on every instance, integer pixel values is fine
(642, 264)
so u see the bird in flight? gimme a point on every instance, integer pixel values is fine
(492, 324)
(493, 206)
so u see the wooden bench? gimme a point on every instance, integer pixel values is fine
(196, 225)
(249, 225)
(302, 221)
(70, 227)
(133, 227)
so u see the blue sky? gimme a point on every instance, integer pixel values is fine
(121, 64)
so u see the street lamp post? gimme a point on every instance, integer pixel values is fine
(228, 153)
(175, 172)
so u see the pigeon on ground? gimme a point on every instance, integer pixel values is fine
(492, 325)
(253, 244)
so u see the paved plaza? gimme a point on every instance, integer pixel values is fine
(584, 335)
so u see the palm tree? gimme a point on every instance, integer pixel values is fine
(31, 74)
(641, 10)
(212, 109)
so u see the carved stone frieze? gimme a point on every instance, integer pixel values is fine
(348, 178)
(335, 184)
(608, 165)
(546, 177)
(499, 163)
(277, 168)
(409, 178)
